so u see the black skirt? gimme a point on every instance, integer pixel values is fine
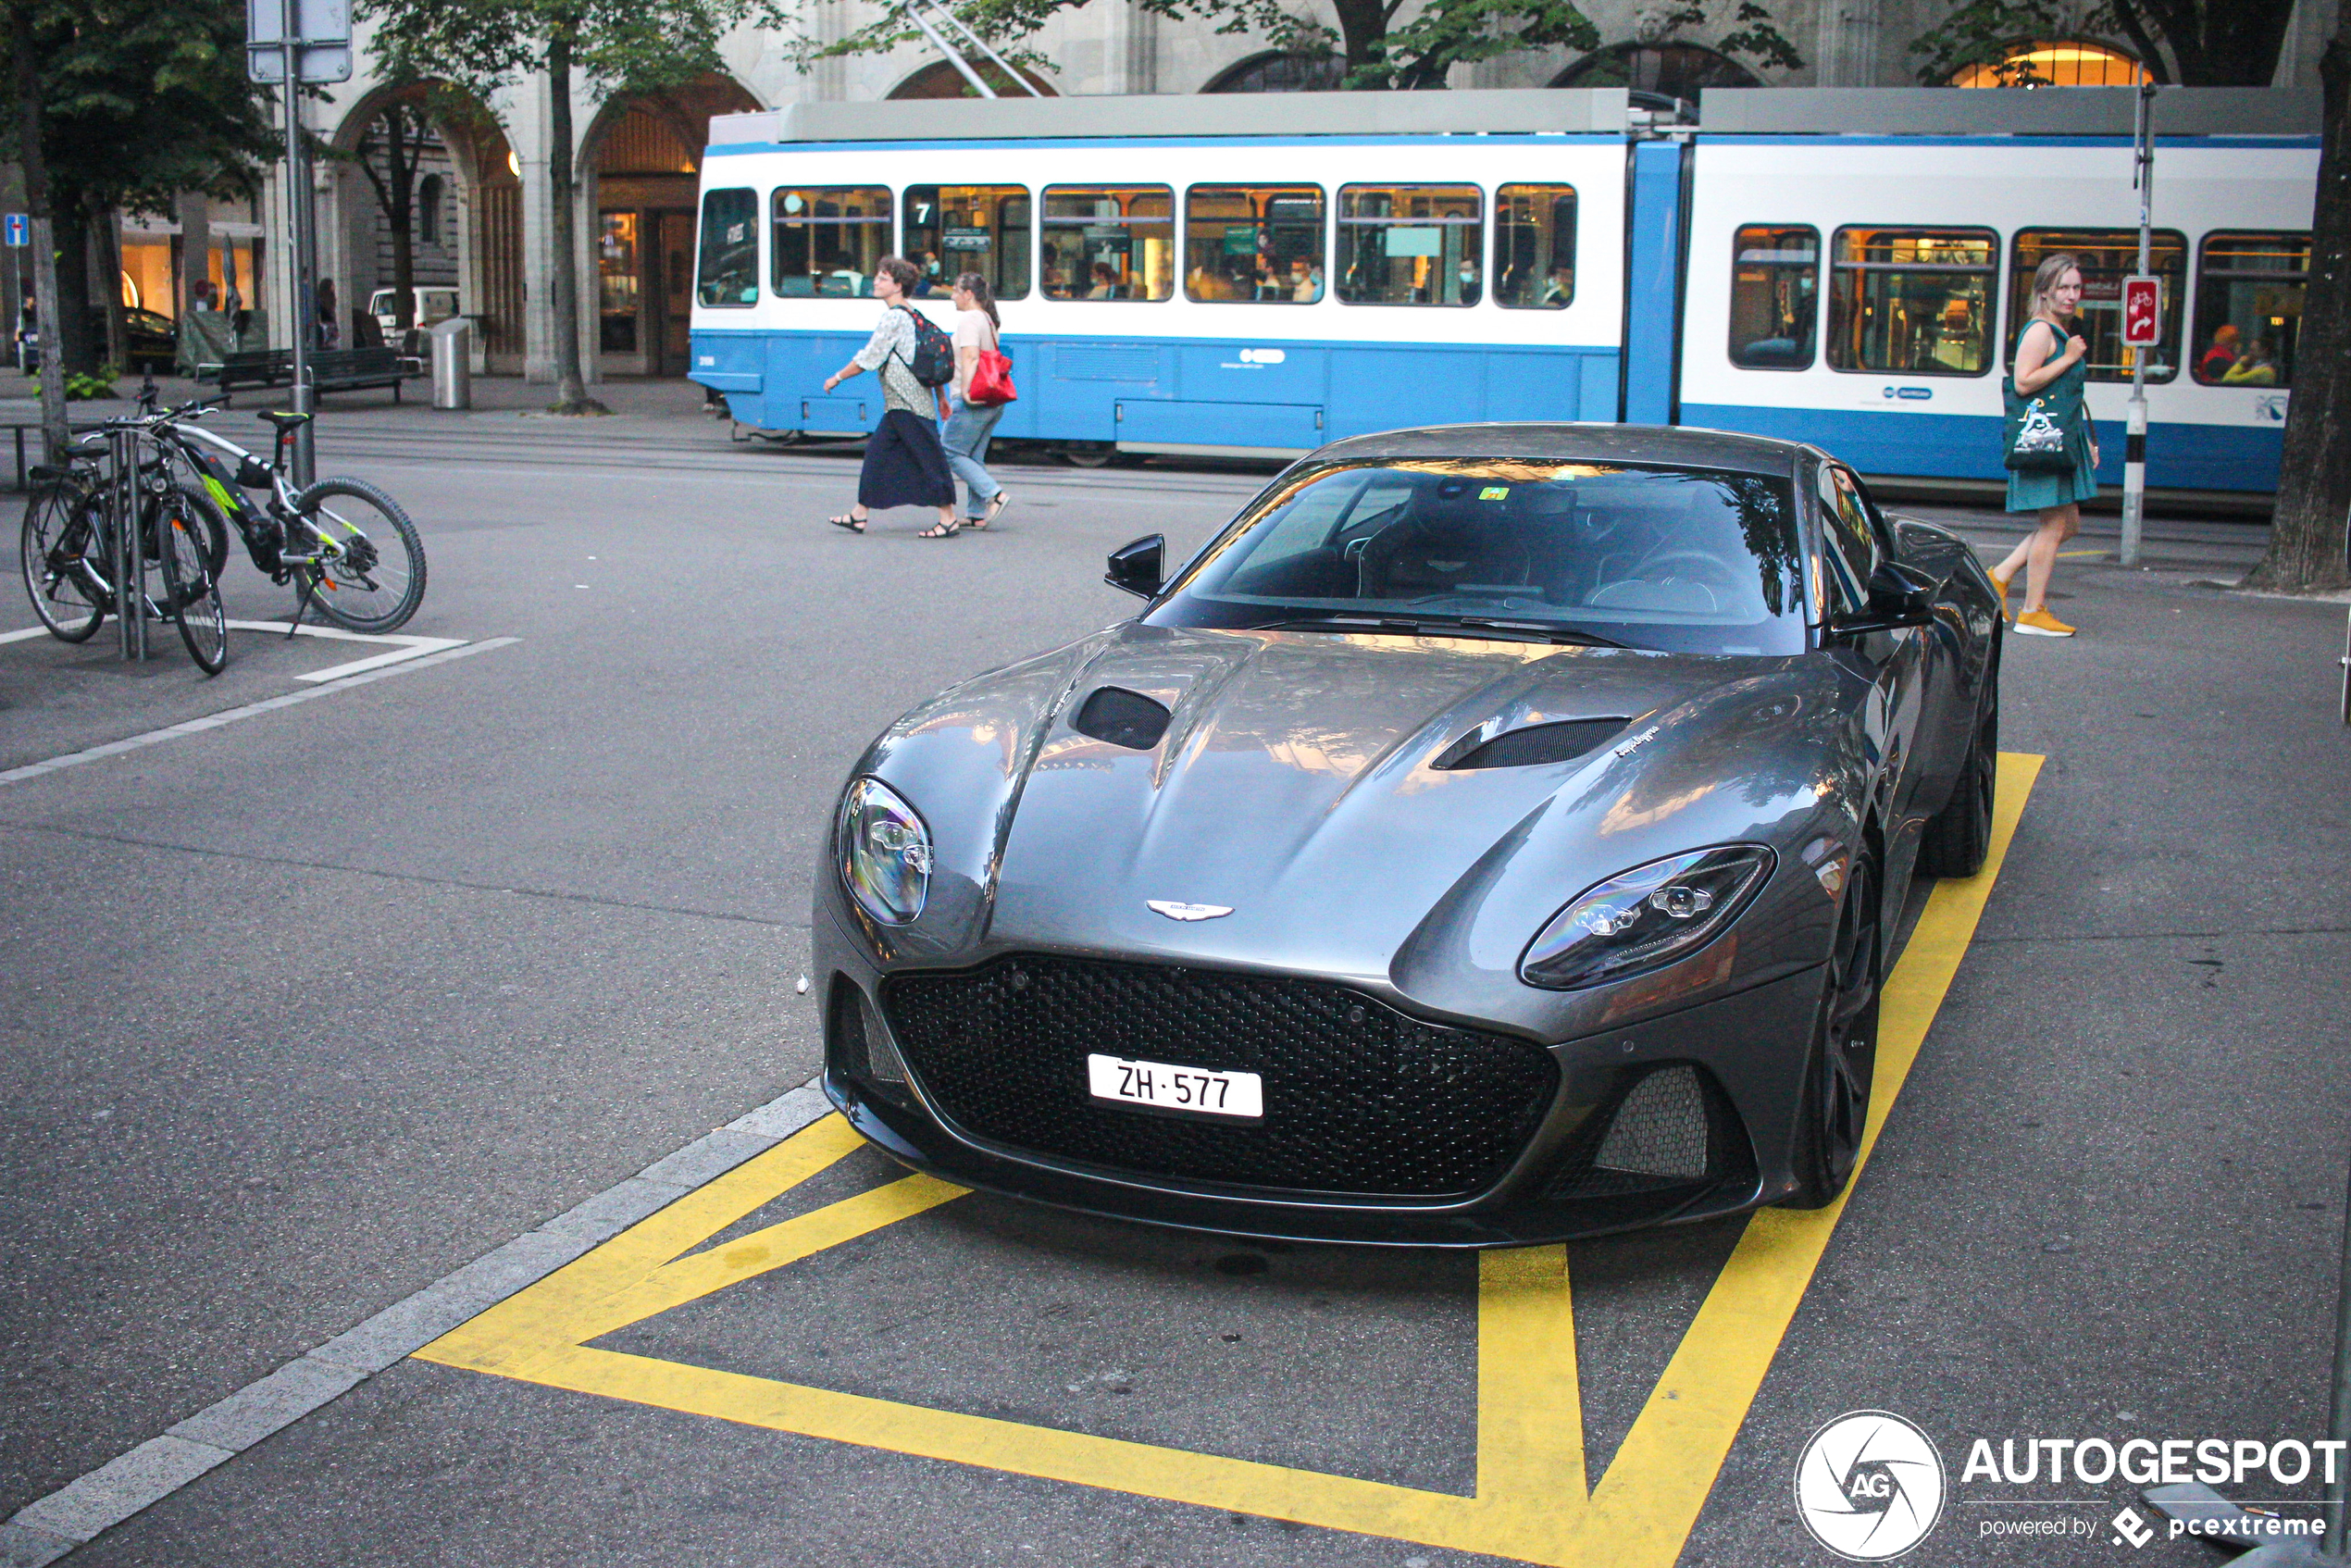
(905, 466)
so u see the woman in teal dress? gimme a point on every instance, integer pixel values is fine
(2049, 370)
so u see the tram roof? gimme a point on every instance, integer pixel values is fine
(2040, 111)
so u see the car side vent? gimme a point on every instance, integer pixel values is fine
(1536, 743)
(1123, 719)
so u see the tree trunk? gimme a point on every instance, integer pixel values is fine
(571, 387)
(77, 344)
(1362, 28)
(400, 211)
(105, 234)
(46, 306)
(2306, 545)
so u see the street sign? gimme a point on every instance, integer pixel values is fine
(2142, 311)
(322, 39)
(19, 229)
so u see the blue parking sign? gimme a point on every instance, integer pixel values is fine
(19, 229)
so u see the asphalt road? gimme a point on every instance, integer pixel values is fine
(304, 1012)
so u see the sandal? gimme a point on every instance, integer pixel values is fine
(848, 520)
(995, 510)
(940, 531)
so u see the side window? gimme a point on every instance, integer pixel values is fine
(2249, 309)
(1109, 243)
(2108, 256)
(1775, 296)
(1534, 246)
(1258, 243)
(828, 239)
(1914, 301)
(982, 228)
(1411, 244)
(1847, 547)
(727, 273)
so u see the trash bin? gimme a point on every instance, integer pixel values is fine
(452, 384)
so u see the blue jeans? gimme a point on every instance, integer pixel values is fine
(965, 438)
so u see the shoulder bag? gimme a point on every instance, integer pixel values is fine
(991, 383)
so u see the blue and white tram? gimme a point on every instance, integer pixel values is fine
(1171, 281)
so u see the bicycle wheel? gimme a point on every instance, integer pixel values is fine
(191, 588)
(371, 577)
(59, 551)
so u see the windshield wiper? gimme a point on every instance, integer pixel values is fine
(1407, 625)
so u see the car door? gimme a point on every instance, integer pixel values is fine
(1946, 699)
(1892, 661)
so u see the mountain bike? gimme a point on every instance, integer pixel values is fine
(69, 553)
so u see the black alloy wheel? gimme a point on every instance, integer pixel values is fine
(1959, 838)
(1843, 1061)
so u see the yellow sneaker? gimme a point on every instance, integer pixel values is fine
(2002, 584)
(2040, 623)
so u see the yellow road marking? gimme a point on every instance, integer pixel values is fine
(1532, 1502)
(2081, 555)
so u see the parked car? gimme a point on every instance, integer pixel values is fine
(433, 304)
(1492, 835)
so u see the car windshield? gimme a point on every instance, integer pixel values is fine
(1680, 559)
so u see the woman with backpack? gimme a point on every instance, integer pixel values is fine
(905, 464)
(971, 424)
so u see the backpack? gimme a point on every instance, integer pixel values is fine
(933, 358)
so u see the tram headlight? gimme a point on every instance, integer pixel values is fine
(885, 851)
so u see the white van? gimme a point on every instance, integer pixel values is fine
(433, 304)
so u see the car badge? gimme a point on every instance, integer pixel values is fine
(1175, 911)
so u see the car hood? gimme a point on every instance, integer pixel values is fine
(1294, 788)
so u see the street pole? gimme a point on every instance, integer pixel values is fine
(2134, 443)
(299, 261)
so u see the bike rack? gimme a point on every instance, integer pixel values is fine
(131, 555)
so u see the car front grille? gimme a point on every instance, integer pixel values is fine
(1359, 1099)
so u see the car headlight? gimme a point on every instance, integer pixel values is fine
(885, 851)
(1644, 918)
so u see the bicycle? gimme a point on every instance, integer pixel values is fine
(347, 546)
(69, 553)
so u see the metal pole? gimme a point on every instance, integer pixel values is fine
(2135, 446)
(981, 45)
(130, 557)
(954, 55)
(298, 263)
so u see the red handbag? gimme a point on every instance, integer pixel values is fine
(992, 384)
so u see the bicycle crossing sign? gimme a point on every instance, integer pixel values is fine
(16, 229)
(2142, 311)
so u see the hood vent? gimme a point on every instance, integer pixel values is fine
(1123, 719)
(1536, 743)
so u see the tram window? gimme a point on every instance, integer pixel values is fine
(828, 239)
(727, 275)
(1256, 243)
(1914, 301)
(1411, 244)
(1775, 296)
(2249, 309)
(2108, 256)
(982, 228)
(1109, 243)
(1534, 246)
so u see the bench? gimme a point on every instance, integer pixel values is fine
(332, 369)
(253, 367)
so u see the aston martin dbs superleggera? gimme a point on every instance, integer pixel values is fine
(1492, 835)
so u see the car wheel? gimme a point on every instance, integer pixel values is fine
(1842, 1065)
(1959, 836)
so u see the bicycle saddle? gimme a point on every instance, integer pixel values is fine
(284, 418)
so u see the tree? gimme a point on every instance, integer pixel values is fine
(398, 134)
(613, 47)
(137, 101)
(30, 138)
(1378, 50)
(2183, 42)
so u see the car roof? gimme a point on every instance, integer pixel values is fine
(1593, 443)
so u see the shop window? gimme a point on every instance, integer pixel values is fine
(1259, 244)
(1917, 302)
(616, 283)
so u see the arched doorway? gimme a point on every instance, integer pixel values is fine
(1277, 72)
(643, 160)
(1675, 70)
(939, 80)
(2065, 62)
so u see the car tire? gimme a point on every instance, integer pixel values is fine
(1959, 838)
(1841, 1067)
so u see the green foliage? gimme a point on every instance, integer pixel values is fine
(1450, 32)
(619, 47)
(85, 387)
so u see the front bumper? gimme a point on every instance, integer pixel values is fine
(1742, 1055)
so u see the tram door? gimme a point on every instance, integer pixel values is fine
(674, 253)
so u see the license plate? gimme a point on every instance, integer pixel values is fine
(1164, 1086)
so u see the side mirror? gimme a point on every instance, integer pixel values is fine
(1900, 595)
(1137, 567)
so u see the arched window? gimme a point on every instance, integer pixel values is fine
(939, 80)
(429, 193)
(2067, 62)
(1677, 70)
(1276, 72)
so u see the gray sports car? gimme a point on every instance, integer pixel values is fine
(1490, 837)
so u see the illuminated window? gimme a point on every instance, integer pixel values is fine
(2068, 62)
(2249, 309)
(2108, 256)
(1918, 300)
